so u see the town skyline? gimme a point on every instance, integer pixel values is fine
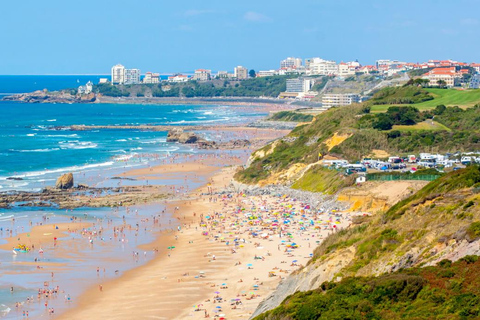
(70, 39)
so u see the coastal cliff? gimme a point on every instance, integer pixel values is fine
(439, 222)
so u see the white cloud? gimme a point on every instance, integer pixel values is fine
(194, 12)
(256, 17)
(469, 22)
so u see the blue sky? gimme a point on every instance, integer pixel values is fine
(89, 36)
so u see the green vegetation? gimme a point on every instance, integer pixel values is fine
(400, 95)
(112, 91)
(290, 116)
(446, 291)
(466, 178)
(253, 87)
(303, 145)
(447, 97)
(454, 130)
(321, 179)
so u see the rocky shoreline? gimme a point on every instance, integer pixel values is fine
(83, 197)
(44, 96)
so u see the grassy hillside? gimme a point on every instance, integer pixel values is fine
(454, 130)
(320, 179)
(400, 95)
(290, 116)
(446, 291)
(447, 97)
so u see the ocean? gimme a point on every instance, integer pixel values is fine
(35, 154)
(31, 150)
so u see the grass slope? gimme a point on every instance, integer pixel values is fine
(446, 291)
(320, 179)
(290, 116)
(447, 97)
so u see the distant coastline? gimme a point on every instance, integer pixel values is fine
(65, 97)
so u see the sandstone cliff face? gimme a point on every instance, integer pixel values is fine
(65, 181)
(308, 278)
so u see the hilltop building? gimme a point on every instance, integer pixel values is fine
(118, 74)
(121, 75)
(348, 69)
(86, 89)
(291, 63)
(151, 78)
(178, 78)
(202, 75)
(132, 76)
(241, 73)
(299, 85)
(318, 66)
(449, 75)
(337, 99)
(266, 73)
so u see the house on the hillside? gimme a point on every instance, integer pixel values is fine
(449, 75)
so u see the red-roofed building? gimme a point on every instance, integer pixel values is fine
(475, 66)
(449, 75)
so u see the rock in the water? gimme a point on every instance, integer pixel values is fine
(178, 135)
(65, 181)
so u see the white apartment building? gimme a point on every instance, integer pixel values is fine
(103, 80)
(266, 73)
(299, 85)
(118, 74)
(202, 75)
(241, 73)
(346, 70)
(151, 78)
(318, 66)
(132, 76)
(291, 63)
(336, 99)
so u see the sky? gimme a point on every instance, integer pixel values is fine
(90, 36)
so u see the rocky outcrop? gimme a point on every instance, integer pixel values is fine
(178, 135)
(65, 181)
(44, 96)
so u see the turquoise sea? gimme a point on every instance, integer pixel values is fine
(32, 150)
(34, 153)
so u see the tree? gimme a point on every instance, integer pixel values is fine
(442, 83)
(383, 122)
(252, 73)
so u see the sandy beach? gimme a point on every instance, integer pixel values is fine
(221, 255)
(224, 262)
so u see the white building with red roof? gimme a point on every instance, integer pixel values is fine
(449, 75)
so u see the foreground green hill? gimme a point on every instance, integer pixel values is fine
(376, 262)
(445, 291)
